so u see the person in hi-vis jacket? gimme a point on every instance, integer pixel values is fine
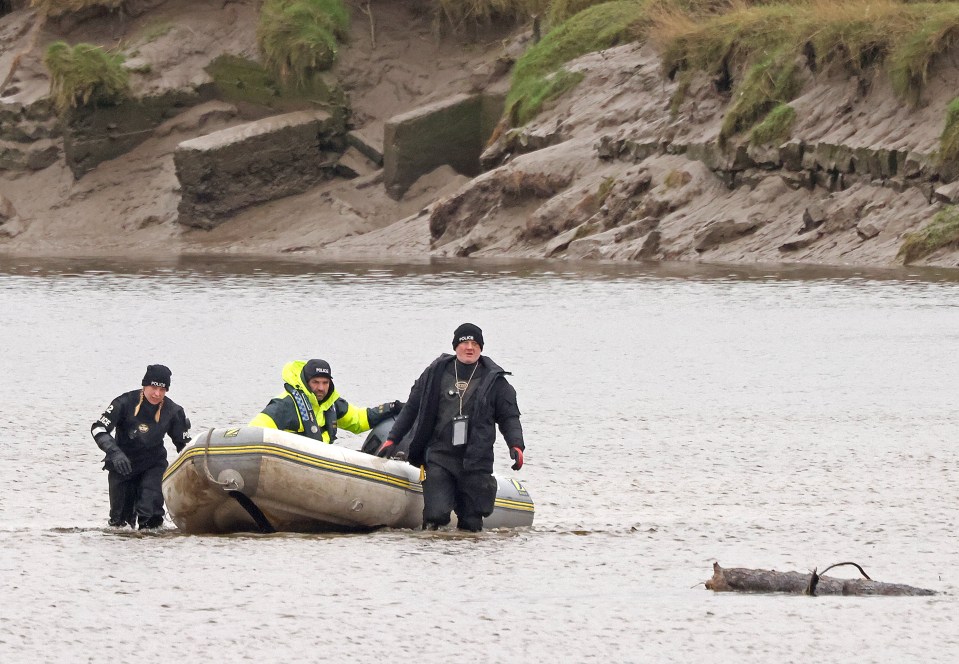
(311, 406)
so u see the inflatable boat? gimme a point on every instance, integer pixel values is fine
(250, 479)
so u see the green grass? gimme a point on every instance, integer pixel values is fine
(767, 84)
(240, 80)
(949, 140)
(85, 75)
(545, 89)
(561, 10)
(775, 127)
(724, 41)
(855, 36)
(539, 74)
(298, 38)
(909, 63)
(461, 13)
(942, 231)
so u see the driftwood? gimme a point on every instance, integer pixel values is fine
(740, 579)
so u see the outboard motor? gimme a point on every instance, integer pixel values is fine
(377, 435)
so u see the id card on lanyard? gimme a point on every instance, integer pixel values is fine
(459, 429)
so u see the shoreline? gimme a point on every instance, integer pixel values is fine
(621, 169)
(488, 266)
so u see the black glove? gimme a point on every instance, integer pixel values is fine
(390, 408)
(516, 454)
(121, 462)
(387, 449)
(115, 456)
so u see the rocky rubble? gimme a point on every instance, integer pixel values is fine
(619, 168)
(859, 171)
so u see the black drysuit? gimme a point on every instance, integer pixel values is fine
(139, 428)
(458, 478)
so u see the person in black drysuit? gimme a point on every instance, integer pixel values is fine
(458, 469)
(136, 458)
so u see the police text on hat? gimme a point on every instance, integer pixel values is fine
(317, 369)
(467, 332)
(157, 375)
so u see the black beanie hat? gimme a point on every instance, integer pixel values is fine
(157, 375)
(467, 332)
(317, 369)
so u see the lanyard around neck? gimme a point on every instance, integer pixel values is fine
(462, 386)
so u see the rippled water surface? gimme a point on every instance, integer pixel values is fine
(674, 417)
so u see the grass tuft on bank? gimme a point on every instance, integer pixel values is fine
(768, 84)
(856, 36)
(949, 140)
(562, 10)
(459, 14)
(776, 127)
(910, 61)
(942, 231)
(85, 75)
(298, 38)
(539, 75)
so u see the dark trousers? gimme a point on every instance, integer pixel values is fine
(470, 494)
(137, 497)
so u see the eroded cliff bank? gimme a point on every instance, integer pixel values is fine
(614, 169)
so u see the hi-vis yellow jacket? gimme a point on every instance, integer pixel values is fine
(298, 410)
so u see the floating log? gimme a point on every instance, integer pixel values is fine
(743, 580)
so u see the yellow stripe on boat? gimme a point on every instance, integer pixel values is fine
(298, 457)
(223, 483)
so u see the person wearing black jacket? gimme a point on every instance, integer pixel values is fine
(136, 458)
(452, 411)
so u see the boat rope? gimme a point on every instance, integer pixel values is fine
(230, 485)
(232, 488)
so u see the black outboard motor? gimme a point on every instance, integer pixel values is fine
(377, 435)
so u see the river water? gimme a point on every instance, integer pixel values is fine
(674, 416)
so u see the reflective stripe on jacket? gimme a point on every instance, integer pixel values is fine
(298, 410)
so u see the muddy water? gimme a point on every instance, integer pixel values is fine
(674, 417)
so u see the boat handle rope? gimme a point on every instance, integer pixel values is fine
(232, 488)
(226, 486)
